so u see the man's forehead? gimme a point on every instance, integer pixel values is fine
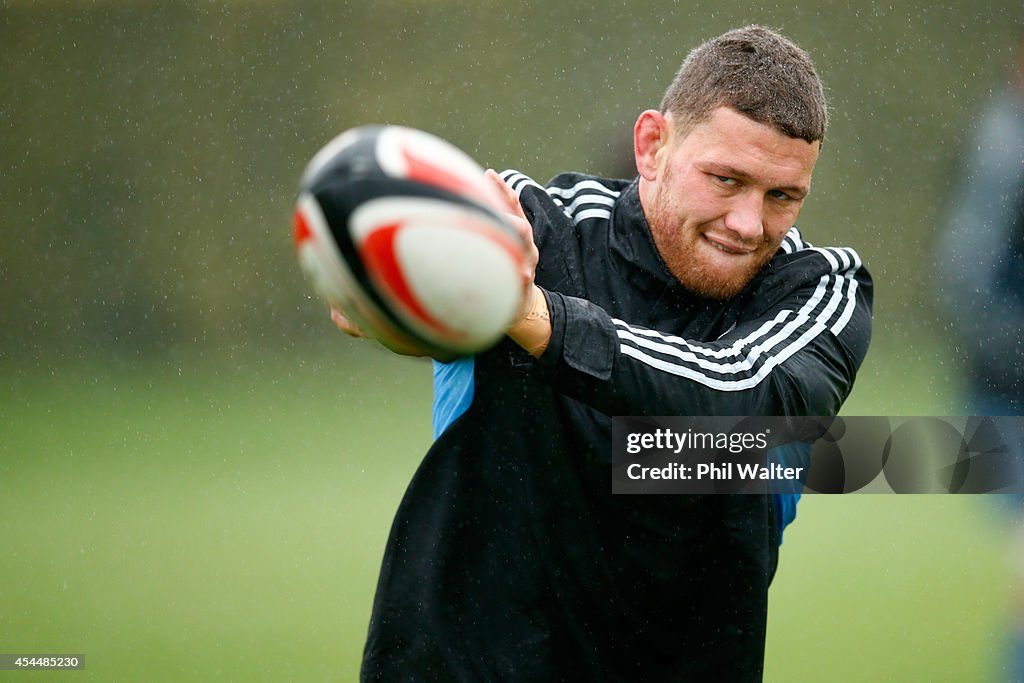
(746, 148)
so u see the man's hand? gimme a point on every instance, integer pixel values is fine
(351, 329)
(346, 325)
(532, 327)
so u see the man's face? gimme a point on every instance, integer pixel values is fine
(720, 199)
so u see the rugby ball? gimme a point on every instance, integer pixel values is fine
(400, 230)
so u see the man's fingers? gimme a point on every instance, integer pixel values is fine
(345, 325)
(517, 218)
(512, 204)
(532, 254)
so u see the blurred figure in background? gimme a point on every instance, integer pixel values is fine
(981, 255)
(981, 279)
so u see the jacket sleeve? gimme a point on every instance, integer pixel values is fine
(798, 356)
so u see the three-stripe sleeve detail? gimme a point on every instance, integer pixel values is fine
(584, 200)
(743, 363)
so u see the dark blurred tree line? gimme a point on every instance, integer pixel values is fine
(151, 150)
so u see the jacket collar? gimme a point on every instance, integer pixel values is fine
(632, 246)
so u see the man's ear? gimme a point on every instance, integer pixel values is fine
(650, 134)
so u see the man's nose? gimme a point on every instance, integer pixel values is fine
(745, 217)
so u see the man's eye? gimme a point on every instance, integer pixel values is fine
(779, 194)
(726, 180)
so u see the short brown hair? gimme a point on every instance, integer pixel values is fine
(759, 73)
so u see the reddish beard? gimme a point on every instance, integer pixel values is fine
(680, 249)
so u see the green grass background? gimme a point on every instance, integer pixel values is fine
(223, 518)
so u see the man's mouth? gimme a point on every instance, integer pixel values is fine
(727, 247)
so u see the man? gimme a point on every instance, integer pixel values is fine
(686, 291)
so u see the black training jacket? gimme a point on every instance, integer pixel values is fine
(510, 559)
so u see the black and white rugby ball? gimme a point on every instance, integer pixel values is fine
(401, 231)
